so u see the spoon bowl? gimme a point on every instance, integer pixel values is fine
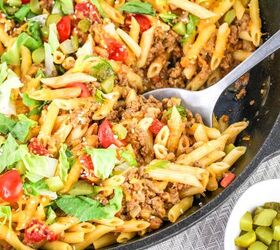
(204, 101)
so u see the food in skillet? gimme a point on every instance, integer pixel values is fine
(260, 230)
(85, 159)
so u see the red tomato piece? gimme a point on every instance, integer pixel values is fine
(106, 136)
(87, 162)
(37, 233)
(10, 186)
(64, 28)
(143, 21)
(84, 90)
(116, 50)
(87, 10)
(37, 148)
(228, 178)
(25, 1)
(156, 126)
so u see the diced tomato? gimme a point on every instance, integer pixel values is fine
(84, 90)
(25, 1)
(87, 10)
(38, 233)
(10, 186)
(87, 162)
(228, 178)
(37, 148)
(116, 50)
(64, 28)
(143, 21)
(156, 126)
(106, 136)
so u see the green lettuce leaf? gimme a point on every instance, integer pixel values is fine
(6, 214)
(191, 27)
(51, 216)
(85, 208)
(37, 166)
(22, 128)
(181, 109)
(157, 164)
(7, 106)
(38, 188)
(129, 157)
(99, 8)
(53, 37)
(12, 56)
(138, 8)
(67, 6)
(14, 3)
(10, 153)
(103, 160)
(65, 162)
(6, 124)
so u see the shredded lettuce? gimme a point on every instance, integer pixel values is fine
(65, 161)
(138, 7)
(155, 164)
(19, 129)
(85, 208)
(191, 27)
(51, 216)
(103, 160)
(53, 37)
(22, 127)
(6, 104)
(181, 109)
(99, 96)
(37, 166)
(67, 7)
(14, 3)
(12, 56)
(10, 153)
(87, 48)
(6, 124)
(6, 214)
(49, 64)
(129, 157)
(99, 8)
(38, 188)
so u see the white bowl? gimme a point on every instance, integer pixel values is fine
(253, 197)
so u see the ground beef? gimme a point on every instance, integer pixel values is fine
(148, 199)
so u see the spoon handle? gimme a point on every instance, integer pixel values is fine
(265, 50)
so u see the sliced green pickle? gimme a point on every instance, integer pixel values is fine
(108, 84)
(180, 28)
(246, 240)
(38, 55)
(258, 246)
(272, 205)
(84, 25)
(275, 222)
(258, 210)
(265, 217)
(274, 245)
(246, 222)
(276, 233)
(264, 234)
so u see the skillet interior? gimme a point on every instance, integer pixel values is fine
(263, 130)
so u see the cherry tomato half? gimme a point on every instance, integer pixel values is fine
(87, 162)
(84, 90)
(116, 50)
(37, 233)
(156, 126)
(228, 178)
(37, 148)
(106, 136)
(87, 10)
(64, 28)
(10, 186)
(25, 1)
(143, 21)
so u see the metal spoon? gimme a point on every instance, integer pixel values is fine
(204, 101)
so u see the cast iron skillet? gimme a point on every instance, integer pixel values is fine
(264, 131)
